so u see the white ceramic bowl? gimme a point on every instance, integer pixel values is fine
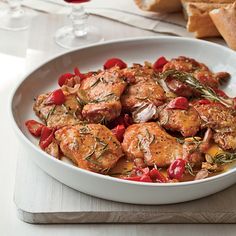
(44, 78)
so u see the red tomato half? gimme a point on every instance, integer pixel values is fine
(114, 62)
(159, 64)
(57, 97)
(34, 127)
(47, 136)
(178, 103)
(176, 169)
(119, 131)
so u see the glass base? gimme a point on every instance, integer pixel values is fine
(15, 21)
(67, 38)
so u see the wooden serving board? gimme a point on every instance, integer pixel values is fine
(41, 199)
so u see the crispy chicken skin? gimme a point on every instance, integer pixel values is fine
(200, 72)
(222, 121)
(58, 115)
(103, 93)
(148, 141)
(92, 147)
(187, 122)
(147, 91)
(141, 88)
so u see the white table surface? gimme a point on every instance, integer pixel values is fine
(19, 51)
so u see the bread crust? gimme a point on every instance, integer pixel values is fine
(225, 21)
(159, 5)
(199, 20)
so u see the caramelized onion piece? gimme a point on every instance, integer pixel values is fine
(202, 174)
(144, 112)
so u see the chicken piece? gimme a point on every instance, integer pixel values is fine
(92, 147)
(138, 73)
(103, 93)
(148, 141)
(147, 91)
(192, 151)
(222, 121)
(102, 112)
(200, 72)
(54, 116)
(187, 122)
(142, 88)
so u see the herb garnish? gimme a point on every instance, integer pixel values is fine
(189, 168)
(223, 158)
(81, 102)
(51, 112)
(100, 79)
(180, 140)
(106, 98)
(190, 80)
(84, 130)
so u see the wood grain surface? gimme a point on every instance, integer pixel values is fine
(42, 199)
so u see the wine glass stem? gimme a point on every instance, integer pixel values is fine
(79, 20)
(15, 8)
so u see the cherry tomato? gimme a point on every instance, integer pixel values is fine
(145, 178)
(114, 62)
(157, 176)
(47, 135)
(176, 169)
(178, 103)
(57, 97)
(119, 131)
(133, 178)
(159, 64)
(203, 102)
(34, 127)
(63, 78)
(125, 120)
(78, 73)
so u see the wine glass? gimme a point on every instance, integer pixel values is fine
(14, 17)
(78, 33)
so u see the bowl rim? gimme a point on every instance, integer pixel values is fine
(93, 174)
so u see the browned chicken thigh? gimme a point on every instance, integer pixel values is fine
(53, 115)
(103, 93)
(91, 147)
(149, 142)
(142, 88)
(187, 122)
(222, 121)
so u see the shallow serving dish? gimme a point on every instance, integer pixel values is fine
(44, 78)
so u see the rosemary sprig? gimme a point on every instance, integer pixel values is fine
(84, 130)
(223, 158)
(180, 140)
(190, 80)
(189, 168)
(81, 102)
(82, 98)
(104, 149)
(100, 79)
(103, 121)
(50, 112)
(88, 157)
(106, 98)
